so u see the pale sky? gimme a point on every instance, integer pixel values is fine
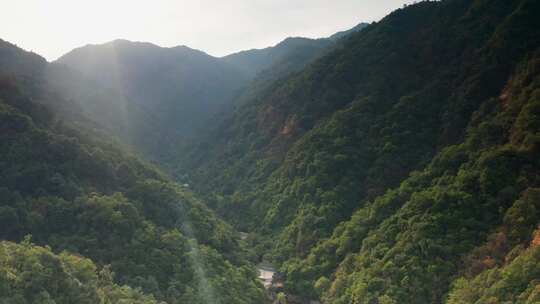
(52, 28)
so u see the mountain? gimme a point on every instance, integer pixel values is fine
(162, 94)
(114, 227)
(394, 164)
(399, 163)
(291, 54)
(294, 50)
(155, 98)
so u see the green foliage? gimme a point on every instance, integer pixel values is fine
(76, 190)
(33, 274)
(517, 282)
(400, 167)
(408, 245)
(385, 163)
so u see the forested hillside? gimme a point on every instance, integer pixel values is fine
(391, 166)
(397, 162)
(155, 98)
(75, 279)
(70, 183)
(77, 191)
(470, 213)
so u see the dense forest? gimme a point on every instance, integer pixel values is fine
(396, 162)
(111, 222)
(392, 163)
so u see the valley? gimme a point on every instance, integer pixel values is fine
(395, 162)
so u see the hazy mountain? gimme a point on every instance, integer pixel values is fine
(154, 76)
(110, 109)
(291, 54)
(300, 49)
(155, 98)
(15, 62)
(164, 94)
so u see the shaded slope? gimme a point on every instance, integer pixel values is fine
(167, 93)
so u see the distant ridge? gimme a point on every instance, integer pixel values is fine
(169, 93)
(296, 51)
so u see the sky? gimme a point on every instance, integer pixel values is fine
(52, 28)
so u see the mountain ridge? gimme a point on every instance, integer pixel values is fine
(169, 93)
(301, 156)
(399, 163)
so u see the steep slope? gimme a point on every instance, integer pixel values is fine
(470, 213)
(301, 156)
(77, 190)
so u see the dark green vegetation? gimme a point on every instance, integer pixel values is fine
(398, 165)
(36, 275)
(75, 190)
(69, 183)
(384, 171)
